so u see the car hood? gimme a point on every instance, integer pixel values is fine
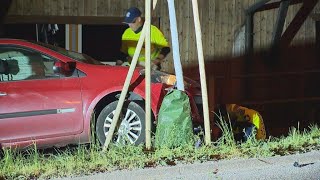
(114, 73)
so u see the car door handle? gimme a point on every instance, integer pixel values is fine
(3, 94)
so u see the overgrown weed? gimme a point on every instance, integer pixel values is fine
(84, 159)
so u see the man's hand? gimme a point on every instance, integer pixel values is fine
(155, 67)
(156, 64)
(157, 61)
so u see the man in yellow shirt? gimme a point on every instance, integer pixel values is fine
(159, 44)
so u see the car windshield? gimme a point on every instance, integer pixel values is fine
(71, 54)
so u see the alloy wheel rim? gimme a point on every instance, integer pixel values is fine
(129, 129)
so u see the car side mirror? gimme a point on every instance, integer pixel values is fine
(4, 67)
(65, 68)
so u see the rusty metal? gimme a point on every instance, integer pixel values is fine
(282, 14)
(293, 27)
(274, 5)
(297, 21)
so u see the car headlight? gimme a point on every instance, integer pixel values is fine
(162, 77)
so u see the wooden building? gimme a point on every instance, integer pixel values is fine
(222, 22)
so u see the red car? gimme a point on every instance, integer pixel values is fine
(53, 97)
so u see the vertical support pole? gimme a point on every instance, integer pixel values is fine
(37, 33)
(203, 78)
(125, 89)
(249, 33)
(148, 72)
(175, 45)
(282, 14)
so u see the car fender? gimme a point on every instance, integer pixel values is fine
(138, 91)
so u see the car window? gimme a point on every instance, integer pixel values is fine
(25, 64)
(71, 54)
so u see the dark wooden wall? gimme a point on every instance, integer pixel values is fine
(221, 20)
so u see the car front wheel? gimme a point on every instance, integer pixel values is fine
(130, 128)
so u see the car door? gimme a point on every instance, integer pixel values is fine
(36, 103)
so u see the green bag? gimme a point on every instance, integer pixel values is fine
(174, 125)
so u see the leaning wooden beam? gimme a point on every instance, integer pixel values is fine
(202, 72)
(125, 89)
(148, 72)
(154, 4)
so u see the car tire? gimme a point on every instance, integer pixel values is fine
(130, 128)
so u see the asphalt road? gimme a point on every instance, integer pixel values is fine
(299, 166)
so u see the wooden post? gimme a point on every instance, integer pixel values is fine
(202, 72)
(148, 72)
(125, 89)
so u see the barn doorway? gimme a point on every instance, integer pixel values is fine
(101, 42)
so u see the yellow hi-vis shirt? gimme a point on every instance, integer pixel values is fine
(246, 114)
(130, 40)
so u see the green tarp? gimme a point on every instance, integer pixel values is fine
(174, 125)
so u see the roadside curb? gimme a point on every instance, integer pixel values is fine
(296, 164)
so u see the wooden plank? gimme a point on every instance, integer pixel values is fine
(204, 92)
(47, 5)
(234, 24)
(269, 27)
(238, 20)
(227, 26)
(263, 31)
(90, 8)
(165, 28)
(212, 25)
(13, 8)
(16, 19)
(263, 25)
(60, 5)
(28, 9)
(102, 7)
(148, 73)
(20, 6)
(76, 7)
(217, 30)
(257, 30)
(191, 46)
(54, 7)
(67, 8)
(224, 19)
(205, 26)
(183, 22)
(310, 30)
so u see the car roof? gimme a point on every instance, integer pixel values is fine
(12, 40)
(16, 41)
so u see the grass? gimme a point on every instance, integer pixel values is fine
(87, 159)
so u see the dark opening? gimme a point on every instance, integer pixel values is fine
(102, 42)
(29, 32)
(20, 31)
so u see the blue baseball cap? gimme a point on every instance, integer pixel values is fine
(131, 15)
